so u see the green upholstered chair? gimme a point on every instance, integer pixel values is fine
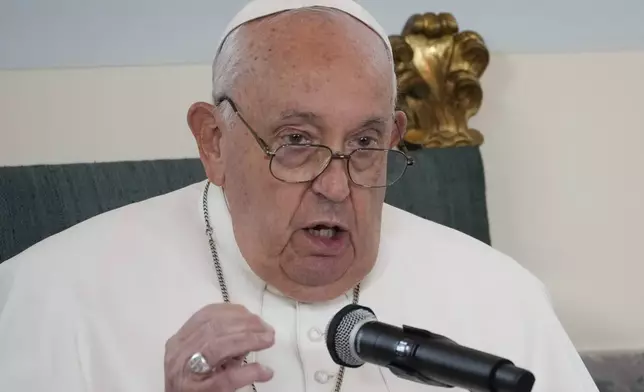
(39, 201)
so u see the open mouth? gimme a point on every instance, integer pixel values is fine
(325, 231)
(324, 239)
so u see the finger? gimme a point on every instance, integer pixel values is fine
(227, 322)
(223, 348)
(239, 377)
(247, 323)
(233, 362)
(210, 312)
(209, 332)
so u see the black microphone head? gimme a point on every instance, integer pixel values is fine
(341, 334)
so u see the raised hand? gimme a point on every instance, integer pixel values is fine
(221, 335)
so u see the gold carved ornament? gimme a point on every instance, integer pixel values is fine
(438, 70)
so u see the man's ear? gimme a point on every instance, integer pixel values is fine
(203, 121)
(400, 127)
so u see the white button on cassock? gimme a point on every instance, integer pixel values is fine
(322, 377)
(315, 335)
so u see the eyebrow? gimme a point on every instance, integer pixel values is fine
(375, 121)
(315, 119)
(308, 117)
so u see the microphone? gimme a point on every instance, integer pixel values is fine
(355, 336)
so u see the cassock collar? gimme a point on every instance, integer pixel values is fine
(231, 256)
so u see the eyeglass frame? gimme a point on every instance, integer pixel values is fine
(409, 161)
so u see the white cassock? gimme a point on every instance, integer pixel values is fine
(91, 308)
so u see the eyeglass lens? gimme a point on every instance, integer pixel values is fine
(367, 167)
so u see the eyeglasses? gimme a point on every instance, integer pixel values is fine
(299, 163)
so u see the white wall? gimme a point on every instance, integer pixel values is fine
(98, 114)
(564, 173)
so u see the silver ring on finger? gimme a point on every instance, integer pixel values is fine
(198, 364)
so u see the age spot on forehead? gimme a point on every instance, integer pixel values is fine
(311, 51)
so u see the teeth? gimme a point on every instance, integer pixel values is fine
(327, 233)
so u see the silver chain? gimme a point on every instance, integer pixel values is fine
(224, 287)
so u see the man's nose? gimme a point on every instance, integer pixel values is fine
(334, 182)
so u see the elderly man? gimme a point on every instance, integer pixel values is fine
(298, 151)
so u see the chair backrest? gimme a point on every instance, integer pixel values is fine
(445, 185)
(39, 201)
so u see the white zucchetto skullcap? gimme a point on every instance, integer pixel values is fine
(256, 9)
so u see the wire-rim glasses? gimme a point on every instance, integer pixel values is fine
(301, 163)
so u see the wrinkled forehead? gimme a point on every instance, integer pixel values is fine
(333, 79)
(312, 62)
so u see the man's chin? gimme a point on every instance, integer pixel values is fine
(323, 283)
(317, 271)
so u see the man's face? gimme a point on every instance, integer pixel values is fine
(331, 85)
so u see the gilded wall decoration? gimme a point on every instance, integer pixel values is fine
(438, 69)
